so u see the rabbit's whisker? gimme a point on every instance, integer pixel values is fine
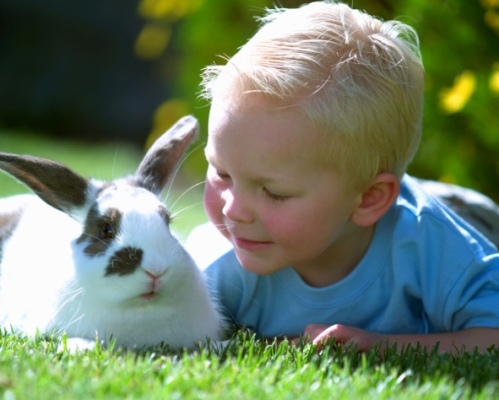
(192, 187)
(72, 297)
(178, 166)
(114, 161)
(176, 213)
(180, 215)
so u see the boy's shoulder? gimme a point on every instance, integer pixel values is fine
(458, 213)
(205, 245)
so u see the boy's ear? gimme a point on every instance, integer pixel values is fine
(376, 199)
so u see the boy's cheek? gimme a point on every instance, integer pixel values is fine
(213, 203)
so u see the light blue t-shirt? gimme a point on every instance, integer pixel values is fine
(426, 271)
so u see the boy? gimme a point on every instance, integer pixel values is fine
(312, 125)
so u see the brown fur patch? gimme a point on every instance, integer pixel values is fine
(165, 214)
(124, 261)
(8, 223)
(100, 230)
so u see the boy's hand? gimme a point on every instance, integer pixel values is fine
(467, 339)
(362, 339)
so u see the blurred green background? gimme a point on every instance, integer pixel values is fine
(93, 83)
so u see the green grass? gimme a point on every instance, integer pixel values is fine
(248, 369)
(105, 161)
(40, 368)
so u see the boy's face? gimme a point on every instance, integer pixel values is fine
(270, 195)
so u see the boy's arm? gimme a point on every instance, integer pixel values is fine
(454, 342)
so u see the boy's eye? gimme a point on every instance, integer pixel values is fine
(215, 173)
(275, 197)
(223, 175)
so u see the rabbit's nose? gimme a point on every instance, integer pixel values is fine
(155, 282)
(154, 275)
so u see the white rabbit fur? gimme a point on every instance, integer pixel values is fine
(56, 277)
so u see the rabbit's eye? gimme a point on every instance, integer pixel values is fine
(107, 231)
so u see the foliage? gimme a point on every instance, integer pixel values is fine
(459, 42)
(248, 368)
(461, 135)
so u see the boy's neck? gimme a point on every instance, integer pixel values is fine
(339, 260)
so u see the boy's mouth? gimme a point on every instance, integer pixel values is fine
(249, 245)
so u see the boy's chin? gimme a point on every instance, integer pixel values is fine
(256, 265)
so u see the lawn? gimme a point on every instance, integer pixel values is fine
(41, 368)
(248, 369)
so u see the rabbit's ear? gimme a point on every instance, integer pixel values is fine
(54, 183)
(159, 163)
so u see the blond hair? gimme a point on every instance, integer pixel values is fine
(360, 80)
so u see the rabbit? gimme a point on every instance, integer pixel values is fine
(93, 259)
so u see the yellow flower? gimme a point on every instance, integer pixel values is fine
(494, 79)
(167, 9)
(490, 3)
(165, 116)
(453, 100)
(152, 41)
(491, 18)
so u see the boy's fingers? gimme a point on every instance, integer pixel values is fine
(313, 331)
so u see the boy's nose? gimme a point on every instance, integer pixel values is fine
(236, 207)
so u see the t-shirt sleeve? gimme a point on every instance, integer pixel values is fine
(473, 300)
(448, 264)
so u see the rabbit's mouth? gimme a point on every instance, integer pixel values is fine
(149, 296)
